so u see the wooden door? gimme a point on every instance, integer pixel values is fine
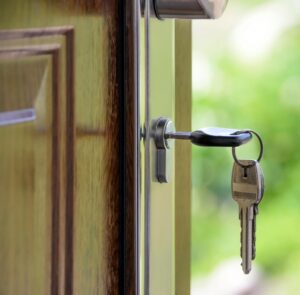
(80, 210)
(68, 129)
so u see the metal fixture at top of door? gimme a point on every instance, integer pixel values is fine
(187, 9)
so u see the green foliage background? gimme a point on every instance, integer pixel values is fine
(264, 97)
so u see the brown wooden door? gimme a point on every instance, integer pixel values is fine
(75, 216)
(68, 146)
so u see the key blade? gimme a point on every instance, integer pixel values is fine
(247, 191)
(246, 238)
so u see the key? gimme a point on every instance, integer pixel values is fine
(247, 191)
(256, 211)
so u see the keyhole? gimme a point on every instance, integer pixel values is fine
(245, 172)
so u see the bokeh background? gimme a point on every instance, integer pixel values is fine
(246, 74)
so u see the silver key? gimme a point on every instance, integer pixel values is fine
(247, 190)
(256, 211)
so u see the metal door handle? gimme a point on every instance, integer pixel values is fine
(188, 9)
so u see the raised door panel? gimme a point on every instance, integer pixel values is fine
(32, 153)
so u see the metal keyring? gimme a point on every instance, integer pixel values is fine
(260, 154)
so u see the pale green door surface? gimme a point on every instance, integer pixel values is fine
(163, 269)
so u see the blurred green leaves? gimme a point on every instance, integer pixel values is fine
(264, 97)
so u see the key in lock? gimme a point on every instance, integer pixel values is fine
(164, 133)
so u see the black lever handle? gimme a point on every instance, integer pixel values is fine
(214, 137)
(220, 137)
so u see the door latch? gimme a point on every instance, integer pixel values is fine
(164, 133)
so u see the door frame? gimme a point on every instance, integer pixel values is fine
(129, 142)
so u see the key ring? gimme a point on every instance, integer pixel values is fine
(260, 154)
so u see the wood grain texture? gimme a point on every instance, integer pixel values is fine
(132, 142)
(83, 6)
(183, 115)
(112, 163)
(92, 197)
